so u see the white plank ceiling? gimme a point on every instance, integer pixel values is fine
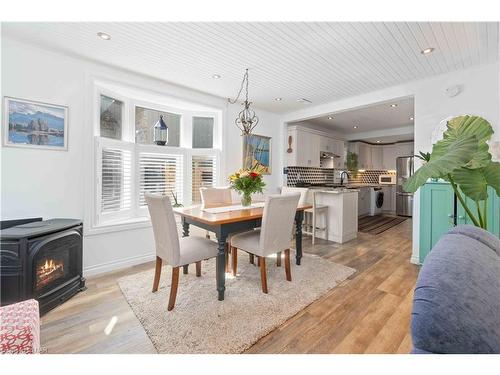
(318, 61)
(381, 116)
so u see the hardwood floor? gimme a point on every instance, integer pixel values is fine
(368, 313)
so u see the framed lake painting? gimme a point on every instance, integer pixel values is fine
(257, 152)
(35, 125)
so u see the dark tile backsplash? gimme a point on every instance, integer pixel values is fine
(325, 175)
(309, 174)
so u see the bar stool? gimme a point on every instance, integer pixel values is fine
(313, 212)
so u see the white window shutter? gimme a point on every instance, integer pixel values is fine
(160, 174)
(203, 174)
(116, 180)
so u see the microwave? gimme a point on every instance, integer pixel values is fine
(387, 179)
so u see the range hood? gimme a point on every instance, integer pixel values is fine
(328, 155)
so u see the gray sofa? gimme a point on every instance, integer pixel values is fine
(456, 305)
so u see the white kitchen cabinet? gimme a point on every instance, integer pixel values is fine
(338, 149)
(364, 201)
(364, 156)
(389, 155)
(404, 149)
(389, 198)
(305, 149)
(376, 160)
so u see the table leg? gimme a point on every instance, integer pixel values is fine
(221, 265)
(185, 228)
(299, 217)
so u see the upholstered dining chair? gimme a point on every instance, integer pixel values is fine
(214, 196)
(273, 237)
(170, 248)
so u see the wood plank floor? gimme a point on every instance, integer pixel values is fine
(368, 313)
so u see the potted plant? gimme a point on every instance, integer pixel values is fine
(352, 162)
(176, 202)
(247, 182)
(463, 159)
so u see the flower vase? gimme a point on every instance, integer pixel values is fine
(246, 200)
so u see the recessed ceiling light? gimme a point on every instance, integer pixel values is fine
(330, 118)
(377, 141)
(427, 51)
(215, 76)
(103, 35)
(355, 126)
(394, 105)
(278, 99)
(411, 118)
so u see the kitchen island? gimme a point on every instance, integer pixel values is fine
(342, 213)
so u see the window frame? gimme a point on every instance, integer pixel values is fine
(139, 214)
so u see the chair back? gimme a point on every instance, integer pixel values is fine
(164, 227)
(277, 223)
(304, 193)
(212, 196)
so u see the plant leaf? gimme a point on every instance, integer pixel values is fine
(472, 182)
(492, 176)
(452, 155)
(472, 125)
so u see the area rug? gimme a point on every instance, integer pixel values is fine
(200, 323)
(378, 223)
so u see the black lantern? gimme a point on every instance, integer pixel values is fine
(160, 132)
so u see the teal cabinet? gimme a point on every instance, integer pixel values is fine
(437, 211)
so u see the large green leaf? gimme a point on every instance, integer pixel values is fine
(472, 182)
(451, 156)
(461, 126)
(492, 176)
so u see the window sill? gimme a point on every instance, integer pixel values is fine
(118, 226)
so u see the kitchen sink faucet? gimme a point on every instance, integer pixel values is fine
(342, 177)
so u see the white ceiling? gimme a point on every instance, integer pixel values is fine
(379, 116)
(318, 61)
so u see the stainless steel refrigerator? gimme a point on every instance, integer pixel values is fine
(404, 200)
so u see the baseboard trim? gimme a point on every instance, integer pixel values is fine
(415, 260)
(118, 264)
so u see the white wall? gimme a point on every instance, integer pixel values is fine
(479, 96)
(269, 125)
(58, 183)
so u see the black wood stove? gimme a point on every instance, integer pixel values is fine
(41, 260)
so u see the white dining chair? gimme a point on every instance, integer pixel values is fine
(273, 237)
(170, 248)
(214, 196)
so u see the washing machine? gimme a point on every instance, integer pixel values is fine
(376, 200)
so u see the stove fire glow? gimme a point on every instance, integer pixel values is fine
(49, 271)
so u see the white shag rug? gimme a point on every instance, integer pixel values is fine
(200, 323)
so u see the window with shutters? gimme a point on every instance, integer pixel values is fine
(128, 164)
(203, 174)
(160, 174)
(115, 176)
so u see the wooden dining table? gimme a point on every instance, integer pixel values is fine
(225, 223)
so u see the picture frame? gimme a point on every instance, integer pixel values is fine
(257, 151)
(34, 124)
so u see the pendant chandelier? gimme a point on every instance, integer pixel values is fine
(247, 120)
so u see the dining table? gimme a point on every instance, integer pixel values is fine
(235, 219)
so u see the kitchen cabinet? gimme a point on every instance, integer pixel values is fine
(364, 201)
(307, 146)
(404, 149)
(376, 160)
(305, 149)
(380, 157)
(389, 155)
(437, 210)
(389, 198)
(364, 156)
